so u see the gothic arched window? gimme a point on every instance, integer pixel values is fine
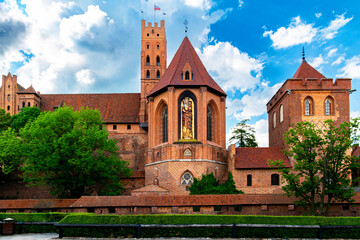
(28, 104)
(8, 108)
(275, 179)
(209, 120)
(249, 180)
(23, 104)
(309, 106)
(329, 104)
(8, 97)
(147, 60)
(187, 179)
(164, 119)
(147, 46)
(147, 74)
(158, 46)
(158, 74)
(157, 60)
(281, 113)
(187, 75)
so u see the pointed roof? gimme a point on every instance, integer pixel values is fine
(172, 76)
(30, 90)
(307, 71)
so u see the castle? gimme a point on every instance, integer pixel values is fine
(174, 129)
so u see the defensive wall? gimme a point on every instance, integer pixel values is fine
(246, 204)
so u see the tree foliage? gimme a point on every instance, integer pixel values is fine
(321, 174)
(243, 135)
(27, 114)
(209, 185)
(5, 120)
(70, 152)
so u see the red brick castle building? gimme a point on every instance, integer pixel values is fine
(174, 129)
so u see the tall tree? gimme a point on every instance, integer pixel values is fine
(5, 120)
(321, 174)
(70, 152)
(27, 114)
(243, 135)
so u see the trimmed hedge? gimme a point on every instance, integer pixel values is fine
(34, 217)
(87, 218)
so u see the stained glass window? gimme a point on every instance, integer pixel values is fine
(165, 124)
(187, 179)
(209, 124)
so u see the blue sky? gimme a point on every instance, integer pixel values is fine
(250, 47)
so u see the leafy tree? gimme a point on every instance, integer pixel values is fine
(321, 174)
(243, 135)
(27, 114)
(10, 151)
(71, 153)
(5, 120)
(209, 185)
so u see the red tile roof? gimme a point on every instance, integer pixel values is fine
(356, 151)
(307, 71)
(172, 75)
(257, 157)
(28, 90)
(36, 203)
(114, 107)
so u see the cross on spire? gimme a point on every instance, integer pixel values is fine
(303, 55)
(186, 28)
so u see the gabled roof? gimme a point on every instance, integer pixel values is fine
(172, 76)
(30, 90)
(307, 71)
(114, 108)
(257, 157)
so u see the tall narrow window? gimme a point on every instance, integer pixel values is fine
(209, 124)
(157, 60)
(307, 107)
(165, 125)
(157, 46)
(281, 113)
(187, 75)
(249, 180)
(28, 104)
(274, 120)
(328, 107)
(147, 74)
(147, 46)
(147, 60)
(8, 108)
(23, 104)
(8, 97)
(275, 179)
(157, 74)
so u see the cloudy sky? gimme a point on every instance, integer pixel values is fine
(250, 47)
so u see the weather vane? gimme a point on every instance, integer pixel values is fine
(186, 28)
(303, 58)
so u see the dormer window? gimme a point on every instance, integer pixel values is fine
(187, 75)
(186, 72)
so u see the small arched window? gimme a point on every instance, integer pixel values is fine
(309, 106)
(274, 120)
(147, 46)
(157, 60)
(8, 86)
(28, 104)
(329, 106)
(209, 124)
(187, 179)
(249, 180)
(187, 75)
(164, 119)
(158, 74)
(147, 74)
(147, 60)
(8, 107)
(281, 113)
(8, 97)
(23, 104)
(275, 179)
(158, 46)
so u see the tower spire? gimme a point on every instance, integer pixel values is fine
(303, 55)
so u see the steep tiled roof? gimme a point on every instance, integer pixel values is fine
(20, 88)
(114, 108)
(356, 151)
(257, 158)
(172, 76)
(307, 71)
(28, 90)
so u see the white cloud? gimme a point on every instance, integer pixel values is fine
(84, 77)
(231, 69)
(332, 52)
(316, 62)
(330, 31)
(298, 32)
(241, 3)
(202, 4)
(351, 68)
(318, 15)
(261, 133)
(355, 114)
(339, 60)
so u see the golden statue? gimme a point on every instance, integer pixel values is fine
(187, 116)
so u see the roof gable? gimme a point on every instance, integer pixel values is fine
(186, 58)
(307, 71)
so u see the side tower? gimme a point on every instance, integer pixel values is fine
(8, 94)
(186, 125)
(307, 96)
(153, 61)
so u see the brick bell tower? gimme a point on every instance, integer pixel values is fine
(153, 61)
